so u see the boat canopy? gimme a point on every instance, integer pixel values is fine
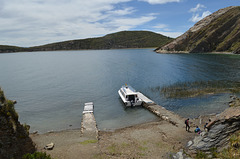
(128, 90)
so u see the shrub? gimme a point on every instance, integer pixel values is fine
(10, 108)
(2, 97)
(36, 155)
(201, 155)
(26, 127)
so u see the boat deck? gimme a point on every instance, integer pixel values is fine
(144, 98)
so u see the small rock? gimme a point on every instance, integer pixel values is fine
(35, 132)
(179, 155)
(49, 146)
(189, 143)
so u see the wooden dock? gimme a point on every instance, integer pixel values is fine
(161, 112)
(88, 124)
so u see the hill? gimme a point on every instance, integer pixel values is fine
(218, 32)
(119, 40)
(8, 49)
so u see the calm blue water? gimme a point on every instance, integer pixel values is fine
(52, 87)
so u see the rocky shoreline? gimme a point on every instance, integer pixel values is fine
(159, 139)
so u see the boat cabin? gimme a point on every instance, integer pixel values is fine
(129, 96)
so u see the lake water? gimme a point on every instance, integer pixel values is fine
(52, 87)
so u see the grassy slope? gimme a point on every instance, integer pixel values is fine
(123, 39)
(7, 49)
(220, 35)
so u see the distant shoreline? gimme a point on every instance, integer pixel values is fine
(186, 52)
(153, 49)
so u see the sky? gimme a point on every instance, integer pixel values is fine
(28, 23)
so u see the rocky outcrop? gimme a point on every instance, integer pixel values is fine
(237, 51)
(235, 102)
(14, 139)
(180, 155)
(220, 129)
(218, 32)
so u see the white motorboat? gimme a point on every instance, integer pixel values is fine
(129, 96)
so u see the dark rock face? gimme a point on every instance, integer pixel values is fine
(14, 139)
(237, 51)
(218, 32)
(221, 128)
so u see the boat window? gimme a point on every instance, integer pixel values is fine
(122, 93)
(131, 98)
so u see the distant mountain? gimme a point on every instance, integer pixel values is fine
(119, 40)
(8, 49)
(218, 32)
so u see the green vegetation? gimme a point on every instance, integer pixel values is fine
(2, 97)
(26, 127)
(231, 152)
(36, 155)
(119, 40)
(198, 88)
(7, 107)
(220, 35)
(113, 149)
(7, 49)
(210, 38)
(201, 155)
(88, 142)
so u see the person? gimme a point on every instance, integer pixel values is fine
(206, 126)
(187, 125)
(197, 130)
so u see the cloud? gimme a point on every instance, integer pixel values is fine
(37, 22)
(164, 30)
(171, 34)
(160, 1)
(125, 11)
(160, 26)
(196, 17)
(128, 23)
(197, 8)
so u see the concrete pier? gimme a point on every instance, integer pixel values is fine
(88, 124)
(161, 112)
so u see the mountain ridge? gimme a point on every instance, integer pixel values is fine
(118, 40)
(218, 32)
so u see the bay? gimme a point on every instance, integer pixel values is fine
(52, 87)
